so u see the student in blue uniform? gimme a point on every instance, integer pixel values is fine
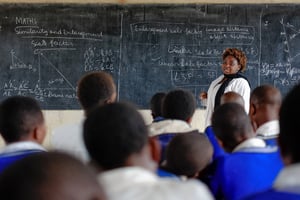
(228, 97)
(22, 127)
(265, 102)
(187, 155)
(287, 184)
(251, 166)
(178, 109)
(117, 139)
(156, 106)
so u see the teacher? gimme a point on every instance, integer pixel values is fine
(234, 63)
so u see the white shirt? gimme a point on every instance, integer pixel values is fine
(288, 179)
(69, 139)
(250, 143)
(238, 85)
(21, 146)
(135, 183)
(169, 126)
(268, 130)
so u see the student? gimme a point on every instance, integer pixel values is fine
(265, 102)
(117, 139)
(156, 106)
(22, 127)
(94, 88)
(228, 97)
(49, 176)
(177, 109)
(251, 166)
(287, 184)
(187, 155)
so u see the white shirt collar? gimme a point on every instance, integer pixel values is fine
(24, 145)
(288, 179)
(169, 126)
(250, 143)
(268, 129)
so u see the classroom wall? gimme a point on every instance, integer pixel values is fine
(55, 118)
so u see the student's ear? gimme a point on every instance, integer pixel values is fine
(109, 101)
(39, 133)
(252, 114)
(220, 143)
(155, 149)
(189, 120)
(252, 109)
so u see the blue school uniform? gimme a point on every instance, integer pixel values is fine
(17, 151)
(286, 186)
(269, 132)
(217, 149)
(251, 168)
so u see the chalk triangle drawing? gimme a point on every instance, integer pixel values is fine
(50, 75)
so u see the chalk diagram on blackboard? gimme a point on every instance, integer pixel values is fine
(61, 78)
(286, 74)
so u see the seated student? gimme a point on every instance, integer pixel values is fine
(156, 156)
(116, 138)
(287, 184)
(94, 88)
(177, 109)
(49, 176)
(155, 106)
(187, 155)
(251, 166)
(228, 97)
(265, 102)
(22, 127)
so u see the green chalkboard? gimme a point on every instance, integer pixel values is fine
(46, 48)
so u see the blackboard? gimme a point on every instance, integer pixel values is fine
(46, 48)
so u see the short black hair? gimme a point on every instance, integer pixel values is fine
(18, 116)
(94, 89)
(229, 122)
(156, 104)
(289, 121)
(113, 132)
(266, 94)
(188, 153)
(39, 176)
(179, 104)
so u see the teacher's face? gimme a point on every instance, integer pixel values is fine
(230, 65)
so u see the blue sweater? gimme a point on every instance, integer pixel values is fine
(217, 150)
(7, 159)
(245, 172)
(272, 194)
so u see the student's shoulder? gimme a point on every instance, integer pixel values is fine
(190, 189)
(274, 195)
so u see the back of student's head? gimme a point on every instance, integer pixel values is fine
(266, 94)
(19, 116)
(231, 125)
(113, 133)
(188, 154)
(232, 97)
(289, 121)
(49, 176)
(96, 88)
(156, 104)
(179, 104)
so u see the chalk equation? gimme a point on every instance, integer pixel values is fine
(192, 77)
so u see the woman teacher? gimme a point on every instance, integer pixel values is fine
(234, 63)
